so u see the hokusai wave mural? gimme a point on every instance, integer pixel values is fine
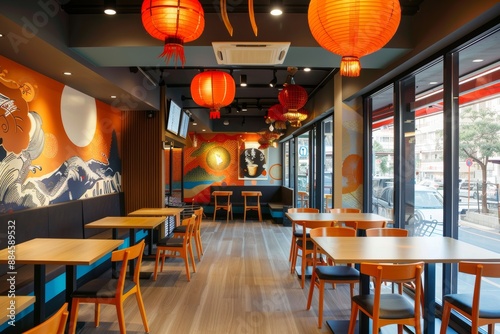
(56, 143)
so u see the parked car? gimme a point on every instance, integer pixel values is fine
(428, 204)
(380, 183)
(475, 190)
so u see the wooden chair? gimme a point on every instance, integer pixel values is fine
(56, 324)
(295, 232)
(330, 274)
(197, 231)
(178, 246)
(389, 308)
(303, 199)
(386, 232)
(306, 248)
(112, 291)
(251, 206)
(345, 210)
(481, 309)
(180, 230)
(222, 200)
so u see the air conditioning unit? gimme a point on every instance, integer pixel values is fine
(250, 53)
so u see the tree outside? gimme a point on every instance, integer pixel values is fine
(480, 140)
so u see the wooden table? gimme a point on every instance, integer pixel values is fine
(69, 252)
(363, 219)
(430, 250)
(154, 212)
(131, 223)
(8, 309)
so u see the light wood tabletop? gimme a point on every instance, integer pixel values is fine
(152, 212)
(61, 251)
(221, 193)
(68, 252)
(326, 216)
(147, 222)
(13, 306)
(430, 250)
(251, 193)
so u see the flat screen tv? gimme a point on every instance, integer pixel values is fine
(173, 117)
(183, 129)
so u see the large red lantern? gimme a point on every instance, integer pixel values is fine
(353, 28)
(175, 22)
(213, 90)
(293, 97)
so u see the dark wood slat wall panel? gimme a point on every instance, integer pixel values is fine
(142, 160)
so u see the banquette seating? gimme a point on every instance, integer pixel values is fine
(67, 220)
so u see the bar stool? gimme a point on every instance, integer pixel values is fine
(303, 199)
(223, 201)
(251, 206)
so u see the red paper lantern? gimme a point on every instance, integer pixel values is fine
(213, 90)
(175, 22)
(353, 28)
(293, 97)
(275, 115)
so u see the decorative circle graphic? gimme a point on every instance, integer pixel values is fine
(79, 116)
(275, 172)
(252, 162)
(218, 158)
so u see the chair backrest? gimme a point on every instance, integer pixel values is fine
(308, 210)
(383, 272)
(386, 232)
(479, 269)
(199, 217)
(223, 198)
(124, 255)
(365, 225)
(332, 232)
(345, 210)
(349, 224)
(56, 324)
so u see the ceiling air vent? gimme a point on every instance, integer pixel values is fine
(250, 53)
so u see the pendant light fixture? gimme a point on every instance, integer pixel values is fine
(175, 22)
(353, 28)
(213, 90)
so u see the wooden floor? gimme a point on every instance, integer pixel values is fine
(242, 285)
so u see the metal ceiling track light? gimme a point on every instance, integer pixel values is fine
(274, 80)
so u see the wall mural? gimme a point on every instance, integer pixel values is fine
(215, 160)
(56, 143)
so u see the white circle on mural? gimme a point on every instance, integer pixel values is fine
(79, 116)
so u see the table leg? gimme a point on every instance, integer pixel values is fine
(132, 242)
(429, 298)
(39, 290)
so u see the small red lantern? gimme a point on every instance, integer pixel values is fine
(214, 90)
(175, 22)
(275, 115)
(353, 28)
(293, 97)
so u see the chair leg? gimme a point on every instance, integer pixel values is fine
(198, 236)
(215, 210)
(121, 317)
(445, 318)
(303, 266)
(75, 303)
(311, 291)
(245, 215)
(321, 297)
(186, 264)
(354, 316)
(192, 257)
(140, 303)
(198, 246)
(155, 274)
(291, 249)
(97, 314)
(260, 214)
(294, 259)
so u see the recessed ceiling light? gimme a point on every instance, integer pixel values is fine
(307, 69)
(477, 60)
(276, 12)
(194, 123)
(203, 130)
(67, 73)
(1, 35)
(109, 11)
(113, 96)
(433, 83)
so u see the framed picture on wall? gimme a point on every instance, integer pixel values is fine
(252, 162)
